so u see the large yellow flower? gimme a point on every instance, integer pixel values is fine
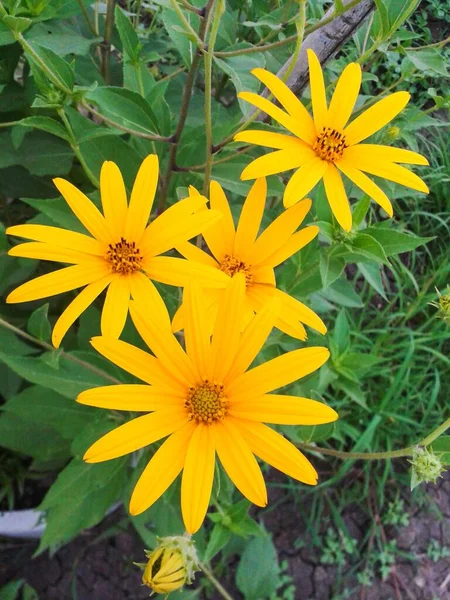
(326, 142)
(241, 251)
(207, 402)
(122, 254)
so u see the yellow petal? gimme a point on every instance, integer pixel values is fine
(161, 471)
(303, 180)
(220, 237)
(276, 113)
(78, 305)
(270, 139)
(59, 237)
(337, 197)
(137, 362)
(136, 434)
(296, 242)
(253, 338)
(51, 252)
(136, 397)
(345, 96)
(291, 327)
(163, 344)
(227, 330)
(278, 232)
(179, 272)
(115, 308)
(367, 185)
(376, 152)
(276, 450)
(239, 462)
(174, 215)
(250, 219)
(385, 169)
(114, 198)
(192, 252)
(289, 102)
(143, 290)
(278, 372)
(318, 96)
(196, 332)
(198, 475)
(283, 410)
(85, 210)
(64, 280)
(142, 197)
(300, 312)
(376, 117)
(277, 162)
(211, 299)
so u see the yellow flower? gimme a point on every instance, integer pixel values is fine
(241, 251)
(207, 402)
(121, 254)
(326, 141)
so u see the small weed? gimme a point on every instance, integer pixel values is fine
(396, 514)
(337, 548)
(436, 551)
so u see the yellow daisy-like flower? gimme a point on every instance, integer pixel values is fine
(241, 250)
(207, 402)
(325, 145)
(122, 254)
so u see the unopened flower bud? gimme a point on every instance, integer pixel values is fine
(170, 565)
(443, 304)
(426, 466)
(392, 133)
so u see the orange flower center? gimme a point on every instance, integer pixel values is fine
(232, 265)
(124, 257)
(330, 144)
(206, 403)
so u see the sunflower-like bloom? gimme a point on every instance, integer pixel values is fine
(122, 254)
(241, 251)
(207, 402)
(325, 145)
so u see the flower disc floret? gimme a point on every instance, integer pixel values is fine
(124, 257)
(232, 265)
(206, 403)
(330, 144)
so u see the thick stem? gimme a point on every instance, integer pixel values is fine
(219, 587)
(106, 44)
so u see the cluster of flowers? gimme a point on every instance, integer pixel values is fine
(205, 399)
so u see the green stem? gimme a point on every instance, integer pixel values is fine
(76, 149)
(46, 346)
(219, 587)
(187, 6)
(300, 23)
(147, 136)
(37, 59)
(187, 25)
(86, 18)
(216, 12)
(378, 455)
(106, 44)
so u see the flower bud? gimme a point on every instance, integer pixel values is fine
(443, 304)
(426, 466)
(392, 133)
(170, 565)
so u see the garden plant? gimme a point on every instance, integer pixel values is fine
(224, 254)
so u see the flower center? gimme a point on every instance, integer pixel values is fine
(206, 403)
(330, 144)
(124, 257)
(232, 265)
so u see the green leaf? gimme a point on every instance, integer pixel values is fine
(128, 36)
(257, 573)
(62, 73)
(441, 446)
(360, 210)
(29, 593)
(38, 323)
(341, 332)
(331, 267)
(22, 435)
(218, 539)
(173, 24)
(17, 24)
(45, 124)
(6, 35)
(429, 60)
(61, 38)
(314, 433)
(372, 274)
(48, 408)
(396, 242)
(10, 591)
(369, 247)
(383, 15)
(124, 107)
(341, 292)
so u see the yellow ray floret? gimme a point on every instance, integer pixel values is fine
(325, 145)
(255, 255)
(207, 403)
(121, 253)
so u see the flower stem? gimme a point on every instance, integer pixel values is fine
(106, 44)
(300, 23)
(219, 587)
(86, 18)
(46, 346)
(187, 25)
(378, 455)
(208, 57)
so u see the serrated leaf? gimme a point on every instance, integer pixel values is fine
(62, 73)
(45, 124)
(396, 242)
(257, 573)
(128, 36)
